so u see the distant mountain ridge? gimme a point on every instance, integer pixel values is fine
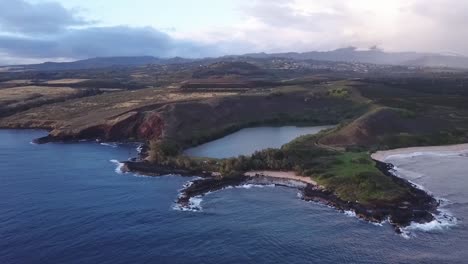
(102, 62)
(374, 56)
(350, 54)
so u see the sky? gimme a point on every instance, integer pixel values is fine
(62, 30)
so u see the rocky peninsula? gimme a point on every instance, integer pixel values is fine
(171, 108)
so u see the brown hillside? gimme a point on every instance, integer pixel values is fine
(379, 122)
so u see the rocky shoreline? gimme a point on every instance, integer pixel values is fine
(418, 206)
(146, 168)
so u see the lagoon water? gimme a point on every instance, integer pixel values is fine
(248, 140)
(65, 203)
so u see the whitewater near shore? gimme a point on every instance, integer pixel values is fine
(438, 170)
(459, 149)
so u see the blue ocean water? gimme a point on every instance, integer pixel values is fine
(64, 203)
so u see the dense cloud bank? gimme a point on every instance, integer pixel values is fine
(41, 30)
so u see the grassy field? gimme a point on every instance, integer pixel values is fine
(22, 93)
(24, 97)
(82, 111)
(354, 177)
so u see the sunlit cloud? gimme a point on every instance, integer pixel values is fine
(45, 29)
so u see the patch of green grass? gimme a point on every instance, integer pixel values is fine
(338, 92)
(353, 164)
(354, 177)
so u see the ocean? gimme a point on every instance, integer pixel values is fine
(66, 203)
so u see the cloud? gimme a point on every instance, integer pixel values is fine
(18, 16)
(47, 30)
(102, 42)
(304, 25)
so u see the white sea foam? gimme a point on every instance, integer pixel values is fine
(194, 205)
(139, 149)
(427, 153)
(112, 145)
(350, 213)
(405, 234)
(119, 164)
(378, 224)
(187, 184)
(250, 186)
(443, 221)
(407, 173)
(142, 176)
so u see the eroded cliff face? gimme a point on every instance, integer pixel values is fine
(151, 126)
(197, 121)
(129, 126)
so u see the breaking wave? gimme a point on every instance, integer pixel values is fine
(250, 186)
(112, 145)
(119, 164)
(427, 153)
(350, 213)
(194, 205)
(443, 221)
(139, 149)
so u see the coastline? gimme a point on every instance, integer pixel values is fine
(282, 175)
(415, 151)
(441, 217)
(417, 207)
(382, 158)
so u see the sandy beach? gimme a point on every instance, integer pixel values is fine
(444, 150)
(290, 175)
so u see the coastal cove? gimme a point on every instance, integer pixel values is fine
(345, 180)
(89, 208)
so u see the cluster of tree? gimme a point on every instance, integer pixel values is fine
(304, 161)
(168, 153)
(273, 159)
(162, 150)
(301, 155)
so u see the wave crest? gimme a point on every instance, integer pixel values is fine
(194, 205)
(119, 167)
(112, 145)
(462, 153)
